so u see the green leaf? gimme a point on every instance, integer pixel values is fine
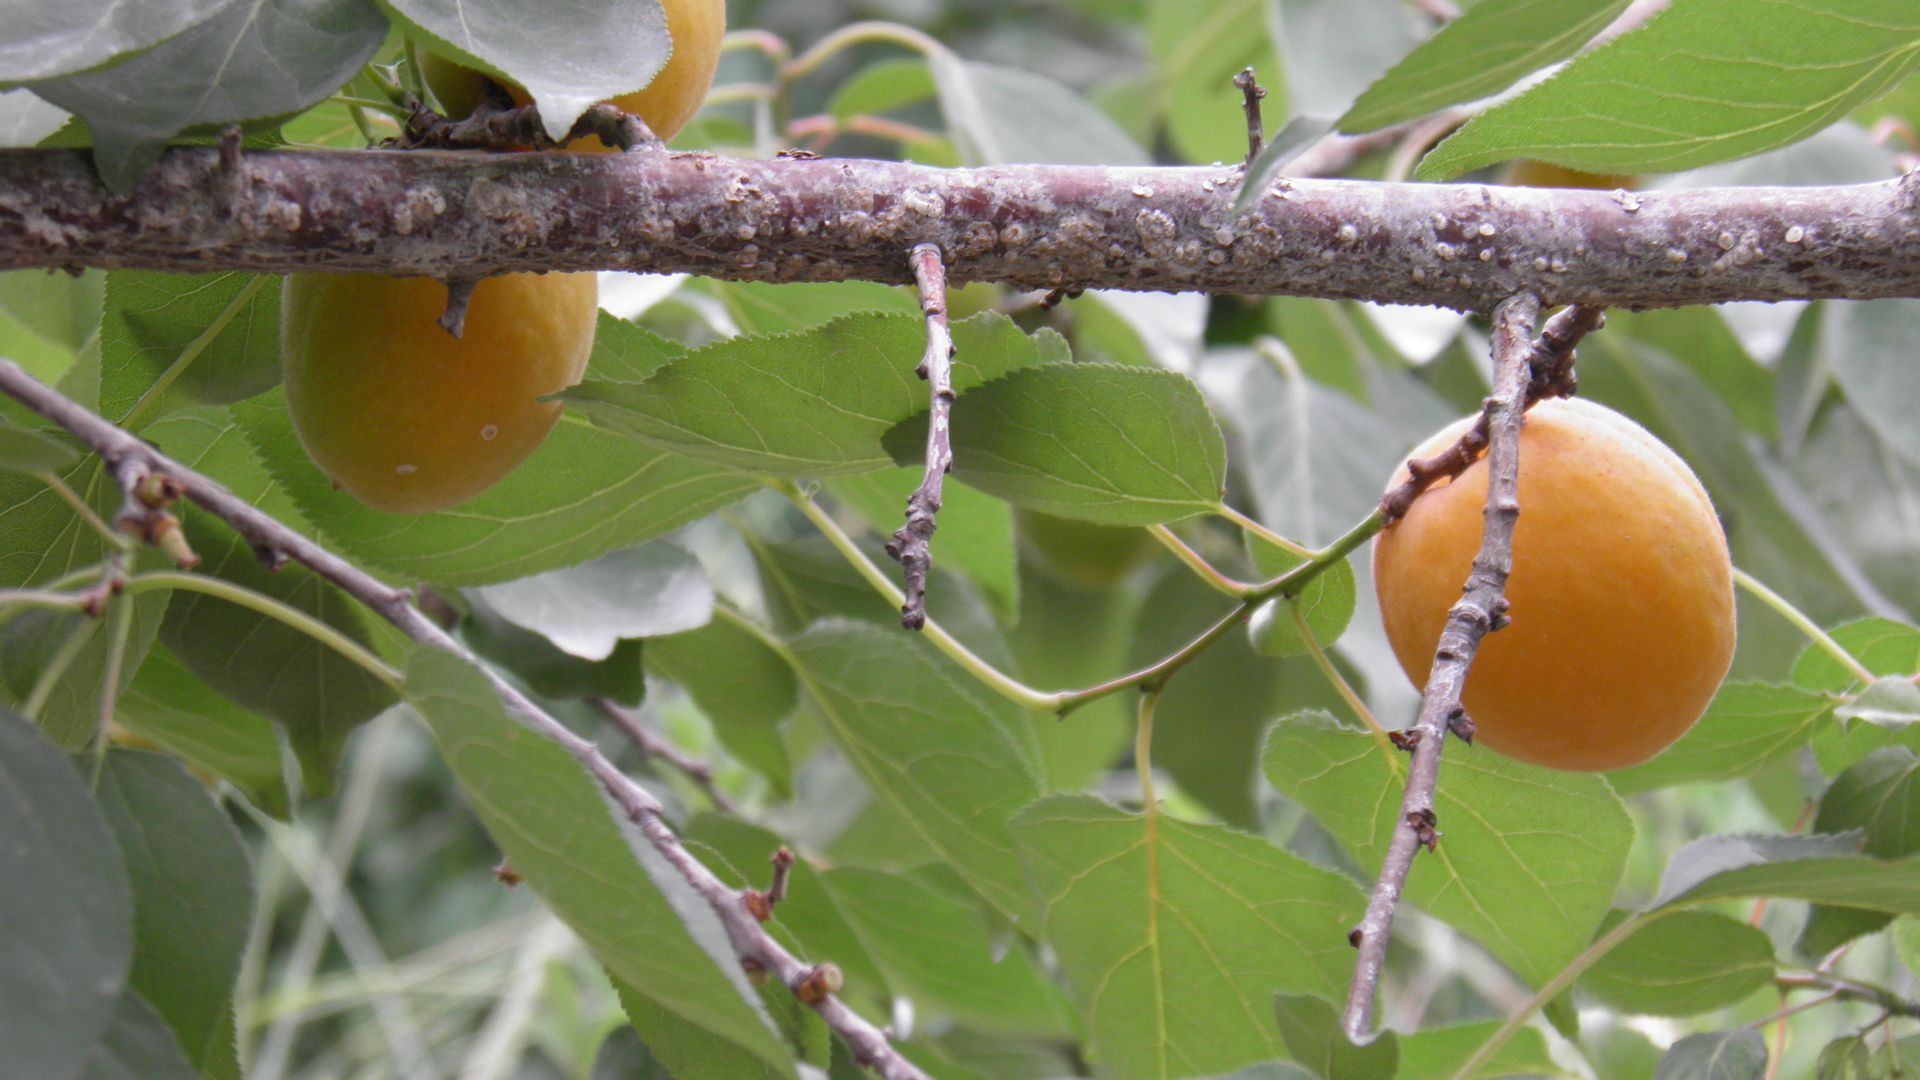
(1300, 133)
(1685, 964)
(555, 826)
(743, 686)
(976, 530)
(249, 61)
(1701, 339)
(1105, 443)
(1314, 1036)
(1747, 727)
(760, 308)
(166, 705)
(1478, 55)
(1880, 797)
(1327, 602)
(586, 610)
(1197, 47)
(926, 932)
(1724, 1055)
(243, 654)
(138, 1045)
(624, 1057)
(584, 493)
(1864, 344)
(601, 51)
(72, 712)
(1758, 74)
(1176, 936)
(1882, 646)
(1529, 858)
(192, 900)
(1333, 52)
(1892, 701)
(1438, 1053)
(1823, 869)
(154, 322)
(805, 403)
(955, 761)
(45, 40)
(34, 452)
(66, 911)
(882, 87)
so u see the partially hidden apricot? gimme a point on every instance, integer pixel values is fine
(1621, 594)
(1544, 174)
(408, 418)
(666, 103)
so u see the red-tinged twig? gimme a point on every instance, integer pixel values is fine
(1251, 93)
(912, 545)
(1481, 609)
(756, 951)
(1549, 368)
(657, 747)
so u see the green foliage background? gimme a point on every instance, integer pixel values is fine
(273, 862)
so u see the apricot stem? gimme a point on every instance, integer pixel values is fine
(1802, 623)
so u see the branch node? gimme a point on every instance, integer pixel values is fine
(1425, 834)
(505, 874)
(816, 983)
(1056, 297)
(1406, 740)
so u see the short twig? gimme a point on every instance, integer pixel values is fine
(497, 125)
(1478, 612)
(911, 546)
(657, 748)
(752, 946)
(144, 514)
(1251, 92)
(459, 298)
(1850, 990)
(760, 904)
(1549, 369)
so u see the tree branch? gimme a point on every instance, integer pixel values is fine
(656, 747)
(911, 546)
(1481, 609)
(448, 214)
(756, 951)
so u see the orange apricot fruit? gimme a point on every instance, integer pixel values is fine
(408, 418)
(1621, 597)
(1542, 174)
(666, 103)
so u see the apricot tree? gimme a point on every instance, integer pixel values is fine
(1138, 789)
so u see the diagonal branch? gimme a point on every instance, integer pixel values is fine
(656, 747)
(454, 214)
(1480, 610)
(911, 546)
(756, 951)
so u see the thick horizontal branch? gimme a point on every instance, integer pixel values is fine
(450, 214)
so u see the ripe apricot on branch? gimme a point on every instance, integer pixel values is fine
(408, 418)
(666, 103)
(1621, 597)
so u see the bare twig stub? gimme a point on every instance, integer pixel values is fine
(756, 951)
(656, 747)
(1480, 609)
(1251, 94)
(1550, 374)
(912, 544)
(443, 214)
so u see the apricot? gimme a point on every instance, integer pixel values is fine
(1621, 596)
(408, 418)
(666, 103)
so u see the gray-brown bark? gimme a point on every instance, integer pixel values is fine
(450, 214)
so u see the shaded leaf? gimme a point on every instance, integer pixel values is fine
(33, 452)
(596, 873)
(586, 610)
(1747, 727)
(1880, 797)
(1314, 1036)
(45, 40)
(1724, 1055)
(66, 910)
(1004, 116)
(155, 321)
(193, 901)
(1824, 869)
(138, 1045)
(952, 759)
(743, 686)
(1685, 964)
(548, 671)
(166, 705)
(251, 60)
(1327, 603)
(1438, 1053)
